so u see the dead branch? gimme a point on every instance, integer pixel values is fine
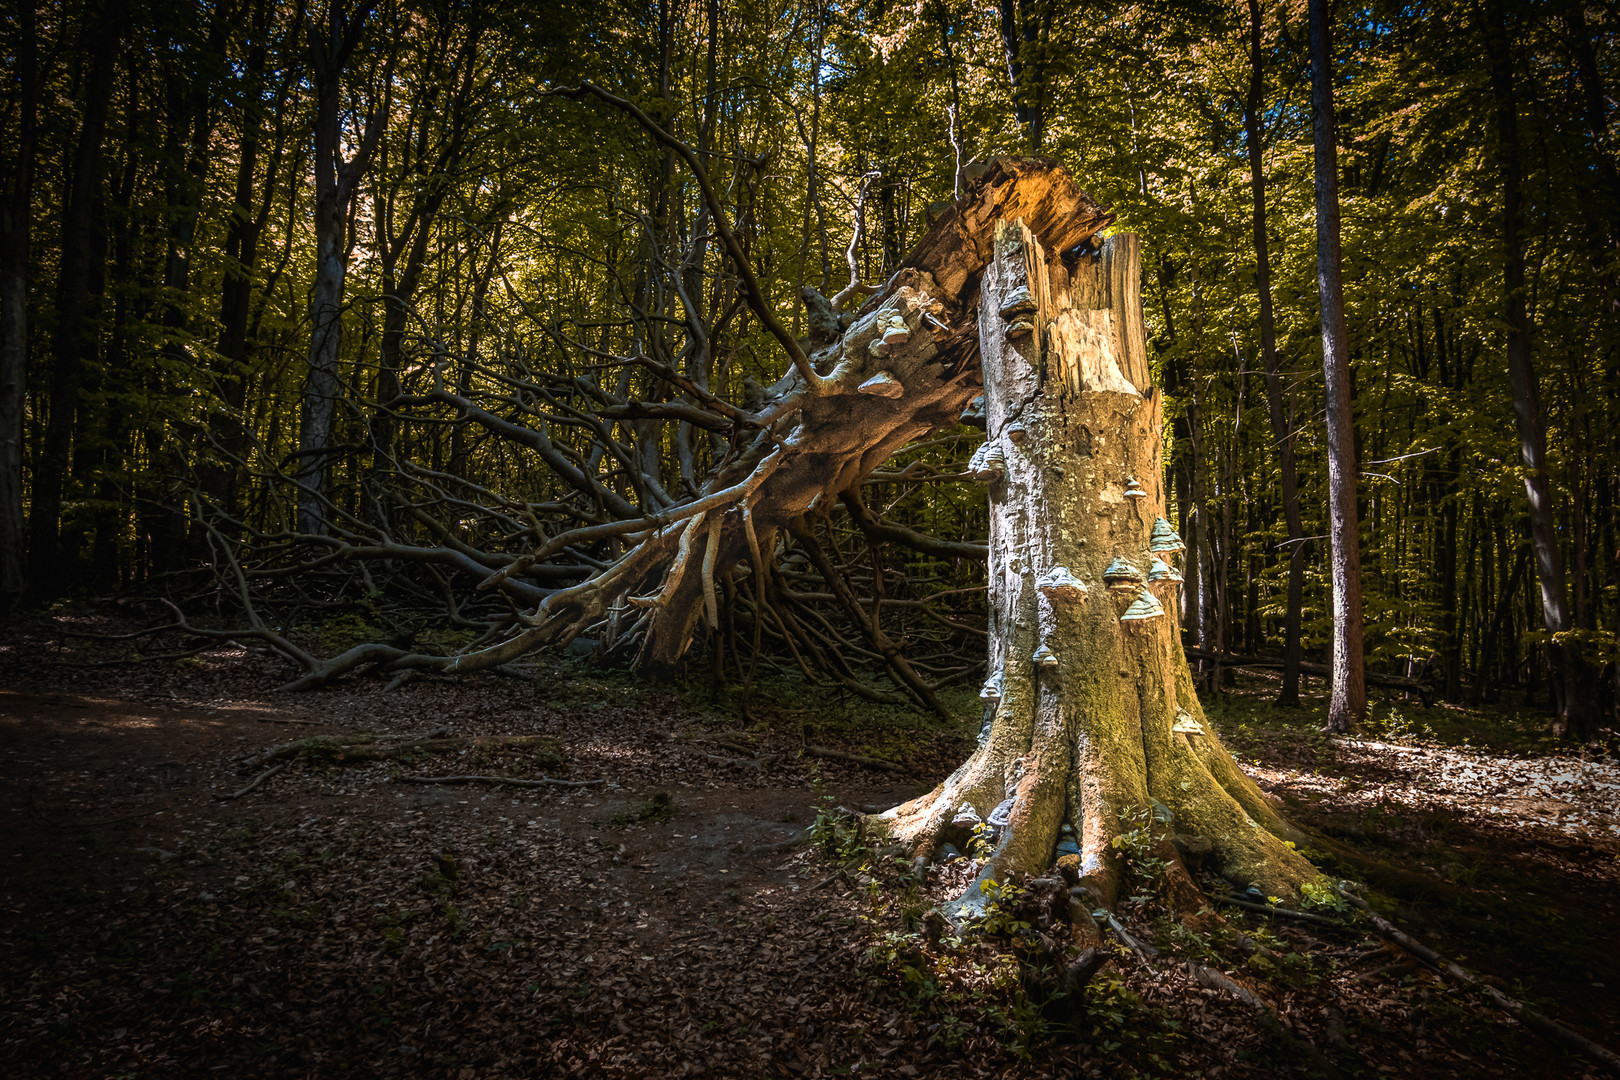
(255, 782)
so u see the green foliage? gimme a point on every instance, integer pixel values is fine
(1320, 896)
(834, 830)
(180, 408)
(1139, 836)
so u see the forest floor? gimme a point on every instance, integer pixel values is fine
(338, 920)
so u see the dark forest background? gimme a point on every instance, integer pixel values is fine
(333, 310)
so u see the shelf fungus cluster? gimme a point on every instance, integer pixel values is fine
(1122, 576)
(1164, 540)
(989, 462)
(1163, 571)
(990, 692)
(1146, 606)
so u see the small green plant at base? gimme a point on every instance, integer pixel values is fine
(1137, 841)
(1321, 897)
(835, 832)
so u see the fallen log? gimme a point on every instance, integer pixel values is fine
(1547, 1028)
(1320, 671)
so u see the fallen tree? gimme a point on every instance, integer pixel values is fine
(862, 386)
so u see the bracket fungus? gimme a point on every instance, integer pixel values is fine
(1044, 657)
(989, 462)
(1122, 575)
(882, 385)
(1164, 539)
(1146, 606)
(1163, 571)
(990, 692)
(1016, 432)
(1134, 490)
(1060, 586)
(1186, 724)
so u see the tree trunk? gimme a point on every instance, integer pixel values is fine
(1282, 420)
(1348, 701)
(1578, 711)
(76, 322)
(1096, 722)
(335, 183)
(16, 222)
(236, 285)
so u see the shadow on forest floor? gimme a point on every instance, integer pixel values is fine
(339, 920)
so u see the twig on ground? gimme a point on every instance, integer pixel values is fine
(1144, 952)
(509, 781)
(1287, 913)
(255, 782)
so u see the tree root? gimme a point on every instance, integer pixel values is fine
(857, 759)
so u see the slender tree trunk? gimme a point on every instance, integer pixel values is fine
(330, 48)
(1281, 421)
(1577, 707)
(16, 225)
(75, 336)
(1348, 702)
(241, 267)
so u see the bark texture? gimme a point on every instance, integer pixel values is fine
(1096, 722)
(1282, 418)
(1348, 701)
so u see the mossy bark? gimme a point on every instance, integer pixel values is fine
(1092, 740)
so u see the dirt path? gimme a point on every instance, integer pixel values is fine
(338, 922)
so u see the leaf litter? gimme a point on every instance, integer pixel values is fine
(671, 922)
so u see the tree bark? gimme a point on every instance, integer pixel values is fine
(1348, 700)
(1096, 721)
(1578, 710)
(336, 179)
(1282, 421)
(16, 224)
